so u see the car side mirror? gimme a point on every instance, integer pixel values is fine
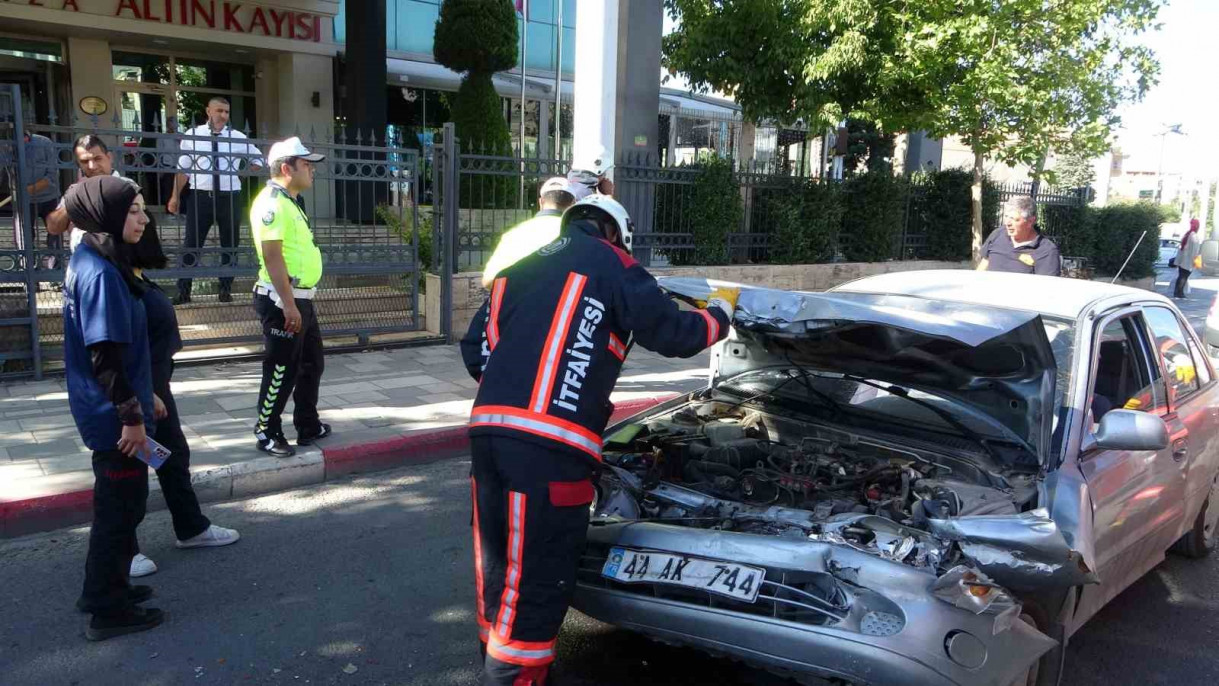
(1131, 430)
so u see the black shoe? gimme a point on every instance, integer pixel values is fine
(181, 298)
(135, 596)
(129, 621)
(225, 297)
(277, 446)
(308, 438)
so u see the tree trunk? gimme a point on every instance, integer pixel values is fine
(976, 209)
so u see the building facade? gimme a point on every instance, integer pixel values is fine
(147, 64)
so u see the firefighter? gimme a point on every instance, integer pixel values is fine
(547, 348)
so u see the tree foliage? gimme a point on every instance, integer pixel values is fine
(1013, 79)
(476, 36)
(1075, 171)
(479, 38)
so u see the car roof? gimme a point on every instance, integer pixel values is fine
(1049, 295)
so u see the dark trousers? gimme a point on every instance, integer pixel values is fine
(203, 208)
(292, 365)
(1178, 289)
(530, 522)
(120, 496)
(174, 475)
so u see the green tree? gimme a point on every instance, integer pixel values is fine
(1075, 171)
(1014, 79)
(477, 38)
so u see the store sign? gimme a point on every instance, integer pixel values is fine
(234, 17)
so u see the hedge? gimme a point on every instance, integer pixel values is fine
(1114, 232)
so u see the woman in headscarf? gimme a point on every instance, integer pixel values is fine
(109, 379)
(191, 527)
(1191, 247)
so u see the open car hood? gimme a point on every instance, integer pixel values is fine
(995, 361)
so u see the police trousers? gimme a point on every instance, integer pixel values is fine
(120, 499)
(530, 521)
(291, 367)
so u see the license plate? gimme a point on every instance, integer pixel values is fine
(740, 582)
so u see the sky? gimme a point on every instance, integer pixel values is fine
(1187, 45)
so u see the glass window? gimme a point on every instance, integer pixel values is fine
(1180, 372)
(1204, 370)
(140, 68)
(414, 24)
(540, 54)
(219, 75)
(1122, 380)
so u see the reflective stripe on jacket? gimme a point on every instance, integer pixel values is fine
(548, 344)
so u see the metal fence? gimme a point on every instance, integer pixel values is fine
(363, 209)
(491, 193)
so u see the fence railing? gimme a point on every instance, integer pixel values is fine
(492, 193)
(363, 209)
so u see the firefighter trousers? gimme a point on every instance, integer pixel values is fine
(291, 368)
(530, 522)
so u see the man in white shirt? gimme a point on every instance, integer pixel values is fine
(212, 167)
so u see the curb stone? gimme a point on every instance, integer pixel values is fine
(269, 474)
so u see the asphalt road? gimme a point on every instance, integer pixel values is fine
(372, 576)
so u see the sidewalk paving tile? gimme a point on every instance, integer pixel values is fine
(66, 463)
(48, 449)
(365, 397)
(405, 382)
(348, 388)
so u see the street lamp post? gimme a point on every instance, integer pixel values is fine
(1175, 128)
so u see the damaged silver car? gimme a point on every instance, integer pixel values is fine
(917, 478)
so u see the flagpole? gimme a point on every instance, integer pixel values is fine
(558, 90)
(524, 48)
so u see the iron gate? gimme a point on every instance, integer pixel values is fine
(363, 209)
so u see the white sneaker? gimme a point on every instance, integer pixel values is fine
(142, 566)
(213, 537)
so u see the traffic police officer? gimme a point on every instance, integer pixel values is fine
(1019, 247)
(547, 348)
(290, 267)
(555, 196)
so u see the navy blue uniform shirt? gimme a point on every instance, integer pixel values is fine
(163, 337)
(98, 307)
(1038, 257)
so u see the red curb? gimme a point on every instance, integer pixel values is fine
(420, 447)
(32, 515)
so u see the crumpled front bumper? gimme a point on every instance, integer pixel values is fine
(918, 653)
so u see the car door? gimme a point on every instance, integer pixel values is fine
(1136, 494)
(1191, 399)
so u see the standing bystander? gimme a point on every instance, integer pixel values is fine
(109, 380)
(43, 190)
(93, 158)
(1019, 246)
(1188, 259)
(215, 190)
(290, 268)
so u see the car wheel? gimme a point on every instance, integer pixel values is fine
(1200, 540)
(1046, 671)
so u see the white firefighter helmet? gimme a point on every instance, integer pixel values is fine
(605, 211)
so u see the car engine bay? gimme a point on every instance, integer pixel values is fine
(715, 465)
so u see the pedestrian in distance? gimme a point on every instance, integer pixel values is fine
(109, 379)
(290, 268)
(215, 190)
(1019, 246)
(1189, 258)
(547, 348)
(554, 197)
(192, 529)
(93, 158)
(43, 190)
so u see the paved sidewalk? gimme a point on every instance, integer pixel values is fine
(372, 399)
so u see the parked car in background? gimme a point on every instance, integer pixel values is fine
(916, 478)
(1211, 330)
